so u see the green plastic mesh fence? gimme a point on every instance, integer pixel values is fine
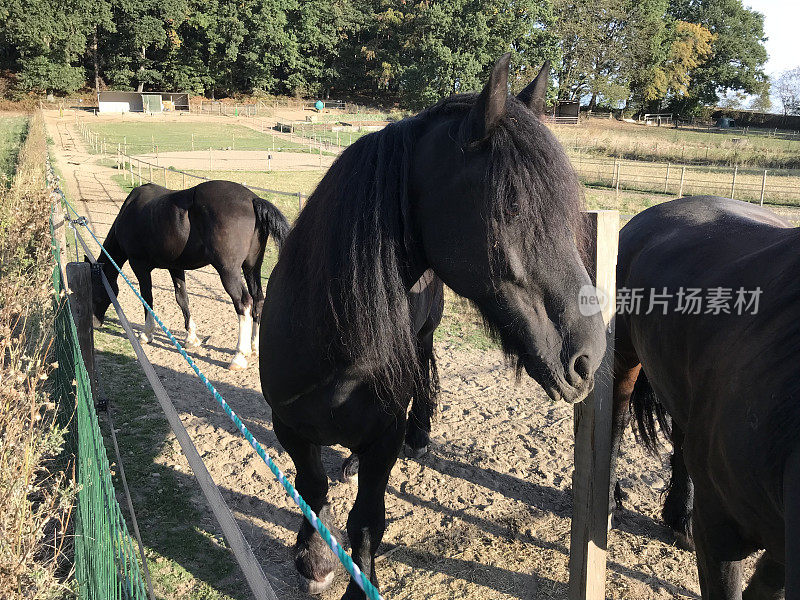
(106, 565)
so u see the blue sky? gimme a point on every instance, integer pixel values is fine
(781, 20)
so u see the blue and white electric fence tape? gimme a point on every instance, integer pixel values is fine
(310, 515)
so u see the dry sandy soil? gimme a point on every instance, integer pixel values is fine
(485, 515)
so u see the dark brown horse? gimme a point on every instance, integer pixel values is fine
(217, 223)
(727, 373)
(475, 190)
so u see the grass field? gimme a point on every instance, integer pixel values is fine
(141, 137)
(12, 134)
(599, 137)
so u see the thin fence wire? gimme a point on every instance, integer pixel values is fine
(330, 540)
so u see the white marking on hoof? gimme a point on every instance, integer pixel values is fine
(314, 587)
(239, 362)
(254, 339)
(192, 341)
(243, 346)
(146, 336)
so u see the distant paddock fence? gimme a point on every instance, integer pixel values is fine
(771, 186)
(138, 172)
(268, 107)
(274, 140)
(752, 185)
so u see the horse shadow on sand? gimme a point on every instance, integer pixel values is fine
(176, 524)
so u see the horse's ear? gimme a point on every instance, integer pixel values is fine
(533, 96)
(491, 104)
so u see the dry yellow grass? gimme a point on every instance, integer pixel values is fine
(35, 497)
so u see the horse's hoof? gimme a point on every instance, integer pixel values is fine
(683, 541)
(415, 452)
(314, 587)
(349, 472)
(239, 362)
(145, 339)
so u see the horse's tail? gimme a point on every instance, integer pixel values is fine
(648, 412)
(270, 221)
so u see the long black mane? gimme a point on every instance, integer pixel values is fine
(349, 248)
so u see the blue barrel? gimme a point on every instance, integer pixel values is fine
(319, 105)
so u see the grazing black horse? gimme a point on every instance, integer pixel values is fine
(478, 191)
(220, 223)
(727, 377)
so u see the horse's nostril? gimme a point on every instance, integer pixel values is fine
(580, 371)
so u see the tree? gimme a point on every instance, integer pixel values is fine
(738, 54)
(787, 88)
(451, 45)
(648, 37)
(691, 46)
(48, 39)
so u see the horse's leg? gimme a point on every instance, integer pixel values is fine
(312, 557)
(719, 552)
(182, 298)
(768, 580)
(367, 520)
(252, 277)
(142, 272)
(418, 430)
(791, 517)
(243, 304)
(677, 511)
(624, 381)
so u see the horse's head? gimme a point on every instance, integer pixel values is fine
(498, 211)
(100, 299)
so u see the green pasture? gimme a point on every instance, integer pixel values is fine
(12, 134)
(144, 137)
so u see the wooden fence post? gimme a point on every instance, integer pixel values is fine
(591, 479)
(683, 175)
(763, 186)
(79, 276)
(165, 178)
(299, 201)
(666, 179)
(733, 182)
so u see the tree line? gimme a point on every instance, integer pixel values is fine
(642, 54)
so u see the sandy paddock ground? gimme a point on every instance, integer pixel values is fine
(484, 515)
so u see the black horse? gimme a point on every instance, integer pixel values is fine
(727, 376)
(220, 223)
(478, 191)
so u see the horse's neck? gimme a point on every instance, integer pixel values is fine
(115, 251)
